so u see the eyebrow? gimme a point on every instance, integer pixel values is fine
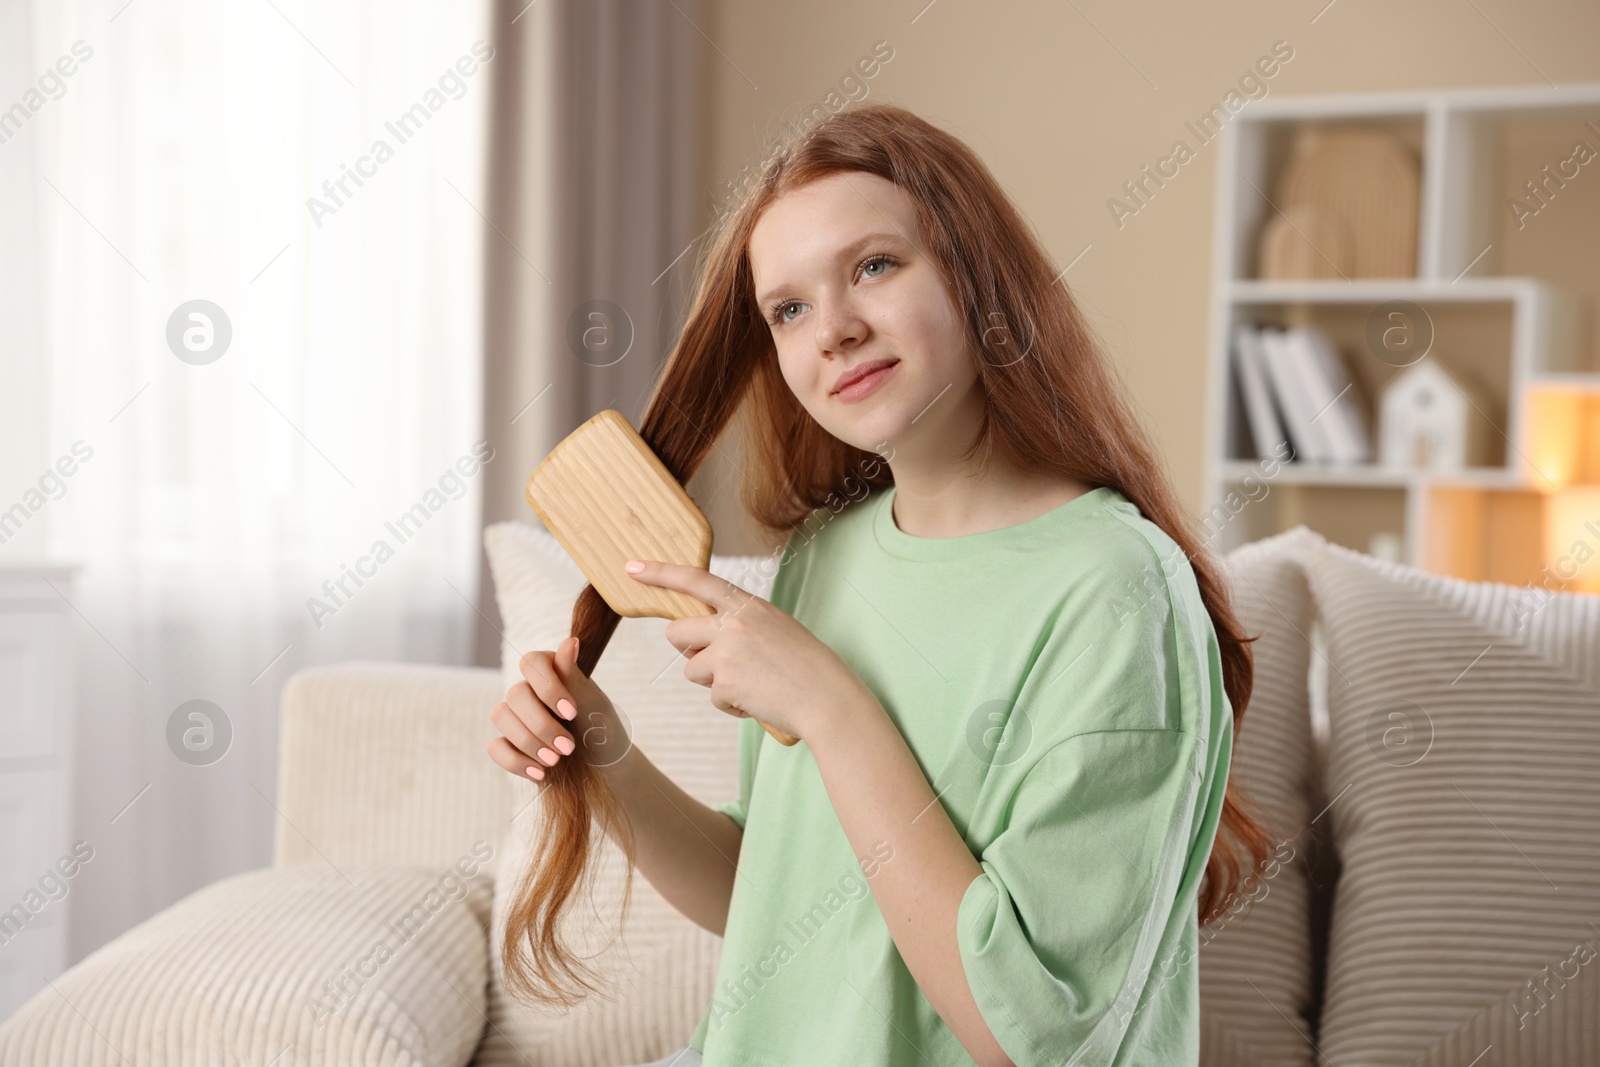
(848, 251)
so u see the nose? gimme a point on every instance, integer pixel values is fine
(839, 326)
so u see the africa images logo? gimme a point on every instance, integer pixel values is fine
(402, 128)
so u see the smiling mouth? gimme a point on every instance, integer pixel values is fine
(862, 384)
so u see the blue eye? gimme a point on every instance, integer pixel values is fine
(876, 261)
(777, 314)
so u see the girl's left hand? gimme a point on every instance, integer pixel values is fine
(756, 659)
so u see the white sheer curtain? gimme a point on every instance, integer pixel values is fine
(224, 499)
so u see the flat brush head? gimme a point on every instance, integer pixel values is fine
(607, 498)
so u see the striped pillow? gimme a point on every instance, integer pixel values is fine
(379, 966)
(1465, 758)
(1255, 959)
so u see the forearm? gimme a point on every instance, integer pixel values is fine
(880, 794)
(688, 850)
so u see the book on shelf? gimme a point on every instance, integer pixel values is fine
(1266, 428)
(1334, 395)
(1295, 387)
(1279, 368)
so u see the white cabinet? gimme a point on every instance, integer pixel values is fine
(36, 634)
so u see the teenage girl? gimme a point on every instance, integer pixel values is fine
(1017, 683)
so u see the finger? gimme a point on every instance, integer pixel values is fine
(515, 760)
(539, 670)
(732, 709)
(693, 633)
(539, 734)
(572, 675)
(698, 669)
(510, 724)
(532, 729)
(697, 582)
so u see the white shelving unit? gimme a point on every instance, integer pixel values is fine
(1513, 309)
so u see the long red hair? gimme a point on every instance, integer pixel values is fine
(1058, 409)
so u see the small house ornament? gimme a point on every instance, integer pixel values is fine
(1429, 420)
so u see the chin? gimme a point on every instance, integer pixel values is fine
(874, 431)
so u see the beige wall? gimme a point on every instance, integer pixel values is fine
(1066, 102)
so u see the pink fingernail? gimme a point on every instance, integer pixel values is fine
(547, 755)
(565, 708)
(633, 566)
(535, 773)
(565, 745)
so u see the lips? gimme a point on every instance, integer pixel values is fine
(859, 371)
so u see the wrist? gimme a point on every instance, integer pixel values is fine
(602, 742)
(851, 715)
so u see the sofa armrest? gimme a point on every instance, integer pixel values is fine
(386, 763)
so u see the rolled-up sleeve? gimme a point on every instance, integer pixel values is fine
(1059, 932)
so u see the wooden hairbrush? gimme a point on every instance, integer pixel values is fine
(607, 498)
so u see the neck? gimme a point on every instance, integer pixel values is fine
(940, 493)
(953, 502)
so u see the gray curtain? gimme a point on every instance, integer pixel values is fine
(593, 201)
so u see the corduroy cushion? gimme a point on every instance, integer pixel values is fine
(1255, 959)
(1465, 754)
(659, 966)
(367, 965)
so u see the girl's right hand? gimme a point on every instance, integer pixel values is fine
(541, 713)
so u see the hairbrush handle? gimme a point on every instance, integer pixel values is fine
(781, 737)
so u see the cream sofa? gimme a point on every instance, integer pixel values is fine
(1419, 809)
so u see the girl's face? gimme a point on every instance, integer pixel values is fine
(843, 282)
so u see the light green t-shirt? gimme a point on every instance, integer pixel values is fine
(1060, 685)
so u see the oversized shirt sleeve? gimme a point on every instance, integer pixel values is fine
(1059, 933)
(738, 809)
(735, 809)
